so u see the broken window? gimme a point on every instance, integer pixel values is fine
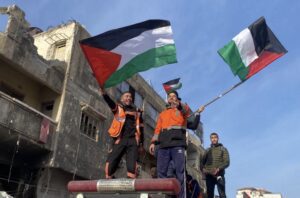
(47, 108)
(60, 49)
(91, 121)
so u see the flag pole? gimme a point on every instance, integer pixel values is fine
(223, 94)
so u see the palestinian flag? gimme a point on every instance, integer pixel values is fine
(118, 54)
(172, 85)
(252, 50)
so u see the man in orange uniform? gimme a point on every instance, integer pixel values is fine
(126, 132)
(170, 135)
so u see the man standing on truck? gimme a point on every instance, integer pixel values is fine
(127, 133)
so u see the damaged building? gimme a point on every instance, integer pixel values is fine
(53, 121)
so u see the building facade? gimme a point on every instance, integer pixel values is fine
(53, 121)
(256, 193)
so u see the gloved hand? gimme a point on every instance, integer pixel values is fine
(152, 148)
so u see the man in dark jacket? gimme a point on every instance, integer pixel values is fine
(170, 134)
(215, 161)
(127, 134)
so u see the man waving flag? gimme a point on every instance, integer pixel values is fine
(118, 54)
(252, 50)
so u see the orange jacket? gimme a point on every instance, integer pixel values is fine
(171, 118)
(119, 120)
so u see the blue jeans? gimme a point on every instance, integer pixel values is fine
(176, 154)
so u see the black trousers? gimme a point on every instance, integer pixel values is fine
(126, 146)
(211, 181)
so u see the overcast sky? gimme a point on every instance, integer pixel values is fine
(259, 122)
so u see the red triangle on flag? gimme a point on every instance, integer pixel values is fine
(103, 63)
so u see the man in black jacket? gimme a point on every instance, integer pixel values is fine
(214, 163)
(127, 134)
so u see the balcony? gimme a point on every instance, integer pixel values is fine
(23, 130)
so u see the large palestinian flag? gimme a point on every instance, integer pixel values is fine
(252, 49)
(120, 53)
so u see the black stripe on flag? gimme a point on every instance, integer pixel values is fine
(264, 38)
(111, 39)
(172, 82)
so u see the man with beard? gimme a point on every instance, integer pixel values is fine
(126, 132)
(215, 161)
(170, 135)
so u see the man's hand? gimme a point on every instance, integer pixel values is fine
(216, 171)
(102, 91)
(152, 149)
(201, 109)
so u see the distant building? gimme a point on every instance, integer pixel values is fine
(256, 193)
(53, 122)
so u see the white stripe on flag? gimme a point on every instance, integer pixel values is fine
(245, 45)
(163, 36)
(147, 40)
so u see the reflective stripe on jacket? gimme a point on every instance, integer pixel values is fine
(170, 127)
(119, 120)
(172, 118)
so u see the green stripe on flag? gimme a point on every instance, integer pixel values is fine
(154, 57)
(231, 56)
(177, 86)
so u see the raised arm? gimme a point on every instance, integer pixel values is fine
(194, 119)
(112, 105)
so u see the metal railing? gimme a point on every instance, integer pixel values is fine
(25, 120)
